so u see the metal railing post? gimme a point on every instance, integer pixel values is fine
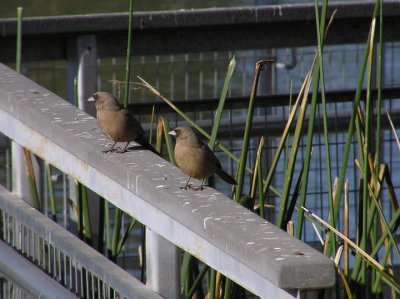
(163, 265)
(82, 64)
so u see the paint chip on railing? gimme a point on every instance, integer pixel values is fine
(205, 220)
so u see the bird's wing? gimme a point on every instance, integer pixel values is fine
(210, 155)
(133, 123)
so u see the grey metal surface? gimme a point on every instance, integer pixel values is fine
(162, 265)
(228, 237)
(13, 264)
(186, 31)
(28, 277)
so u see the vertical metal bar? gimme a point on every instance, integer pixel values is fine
(87, 273)
(186, 77)
(201, 75)
(172, 77)
(77, 280)
(64, 268)
(163, 265)
(215, 78)
(70, 276)
(65, 200)
(92, 285)
(98, 288)
(13, 232)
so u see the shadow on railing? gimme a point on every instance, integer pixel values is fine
(207, 224)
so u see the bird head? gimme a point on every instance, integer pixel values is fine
(104, 100)
(186, 135)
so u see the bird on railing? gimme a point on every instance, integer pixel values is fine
(195, 158)
(117, 123)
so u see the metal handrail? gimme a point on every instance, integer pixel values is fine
(200, 30)
(58, 253)
(205, 223)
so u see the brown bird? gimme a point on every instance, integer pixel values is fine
(195, 159)
(117, 123)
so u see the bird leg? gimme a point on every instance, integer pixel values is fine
(111, 149)
(187, 186)
(190, 186)
(124, 149)
(200, 188)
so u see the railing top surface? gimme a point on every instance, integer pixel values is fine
(200, 30)
(186, 18)
(70, 245)
(225, 235)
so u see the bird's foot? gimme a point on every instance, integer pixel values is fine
(121, 150)
(193, 187)
(198, 188)
(111, 150)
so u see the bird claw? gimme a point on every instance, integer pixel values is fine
(192, 187)
(120, 151)
(115, 150)
(201, 188)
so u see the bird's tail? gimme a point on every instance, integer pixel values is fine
(226, 177)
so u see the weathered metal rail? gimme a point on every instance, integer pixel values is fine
(223, 234)
(185, 31)
(59, 254)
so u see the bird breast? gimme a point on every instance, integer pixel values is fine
(194, 162)
(115, 125)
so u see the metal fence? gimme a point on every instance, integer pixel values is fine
(192, 75)
(59, 254)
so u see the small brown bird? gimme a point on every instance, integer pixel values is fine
(117, 123)
(195, 159)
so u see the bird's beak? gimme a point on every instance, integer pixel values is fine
(91, 99)
(173, 133)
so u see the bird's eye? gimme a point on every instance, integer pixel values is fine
(96, 97)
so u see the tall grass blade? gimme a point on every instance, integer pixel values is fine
(249, 121)
(125, 237)
(293, 155)
(159, 135)
(346, 229)
(87, 230)
(221, 103)
(30, 173)
(51, 191)
(197, 282)
(350, 242)
(116, 234)
(151, 124)
(107, 231)
(307, 156)
(168, 140)
(393, 129)
(256, 172)
(185, 267)
(379, 87)
(212, 283)
(19, 40)
(285, 134)
(128, 56)
(320, 27)
(350, 131)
